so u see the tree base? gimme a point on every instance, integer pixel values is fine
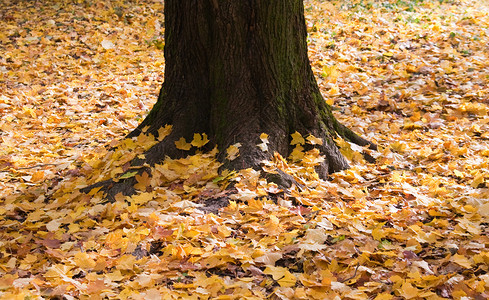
(250, 157)
(235, 70)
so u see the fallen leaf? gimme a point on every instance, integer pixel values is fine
(182, 144)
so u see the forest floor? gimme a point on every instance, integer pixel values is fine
(412, 76)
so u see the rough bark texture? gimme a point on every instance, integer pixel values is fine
(234, 70)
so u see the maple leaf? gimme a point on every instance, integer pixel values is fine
(164, 132)
(143, 181)
(314, 140)
(478, 180)
(377, 233)
(142, 198)
(426, 193)
(298, 153)
(264, 144)
(199, 140)
(53, 225)
(462, 261)
(233, 151)
(84, 261)
(106, 44)
(269, 258)
(281, 275)
(408, 291)
(297, 139)
(182, 144)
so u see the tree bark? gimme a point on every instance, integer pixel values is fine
(234, 70)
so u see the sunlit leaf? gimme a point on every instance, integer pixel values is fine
(314, 140)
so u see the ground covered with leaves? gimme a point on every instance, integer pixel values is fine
(410, 75)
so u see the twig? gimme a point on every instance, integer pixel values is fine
(354, 274)
(36, 166)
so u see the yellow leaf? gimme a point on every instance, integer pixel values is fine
(269, 258)
(478, 180)
(384, 296)
(276, 272)
(142, 198)
(53, 225)
(334, 90)
(164, 132)
(398, 147)
(314, 140)
(191, 233)
(458, 173)
(281, 275)
(30, 259)
(297, 139)
(52, 273)
(126, 262)
(330, 73)
(347, 151)
(288, 280)
(446, 66)
(408, 291)
(297, 153)
(233, 151)
(72, 228)
(182, 144)
(462, 261)
(115, 276)
(37, 176)
(199, 140)
(484, 210)
(263, 146)
(146, 140)
(313, 157)
(378, 233)
(143, 181)
(459, 294)
(84, 261)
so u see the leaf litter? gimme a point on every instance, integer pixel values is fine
(410, 75)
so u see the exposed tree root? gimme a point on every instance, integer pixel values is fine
(351, 136)
(111, 187)
(251, 157)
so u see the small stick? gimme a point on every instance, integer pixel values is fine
(354, 274)
(36, 166)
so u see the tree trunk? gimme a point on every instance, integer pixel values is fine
(234, 70)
